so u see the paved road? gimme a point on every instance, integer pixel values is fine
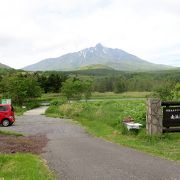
(75, 155)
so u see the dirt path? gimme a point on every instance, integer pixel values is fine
(75, 155)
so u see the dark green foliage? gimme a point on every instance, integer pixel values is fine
(31, 104)
(119, 86)
(20, 88)
(176, 92)
(117, 81)
(99, 80)
(165, 92)
(51, 81)
(87, 89)
(74, 88)
(58, 102)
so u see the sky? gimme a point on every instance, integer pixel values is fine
(33, 30)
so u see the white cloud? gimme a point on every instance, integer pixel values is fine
(32, 30)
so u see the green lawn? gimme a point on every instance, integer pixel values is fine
(23, 167)
(104, 119)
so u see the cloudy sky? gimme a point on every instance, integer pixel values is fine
(32, 30)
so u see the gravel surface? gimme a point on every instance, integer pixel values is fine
(75, 155)
(22, 144)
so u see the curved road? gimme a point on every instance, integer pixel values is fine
(75, 155)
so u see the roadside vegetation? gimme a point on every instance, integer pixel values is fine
(101, 118)
(10, 133)
(23, 89)
(104, 119)
(23, 166)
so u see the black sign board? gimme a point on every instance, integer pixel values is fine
(171, 116)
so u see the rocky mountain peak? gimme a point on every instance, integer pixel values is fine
(97, 55)
(99, 46)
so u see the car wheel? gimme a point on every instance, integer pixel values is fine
(6, 122)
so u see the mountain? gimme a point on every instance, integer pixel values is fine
(95, 66)
(3, 66)
(112, 58)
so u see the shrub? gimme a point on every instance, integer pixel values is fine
(58, 102)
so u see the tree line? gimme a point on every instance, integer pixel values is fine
(24, 86)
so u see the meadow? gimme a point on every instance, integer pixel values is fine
(104, 119)
(112, 95)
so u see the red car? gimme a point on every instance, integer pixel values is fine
(6, 115)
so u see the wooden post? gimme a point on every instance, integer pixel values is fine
(154, 117)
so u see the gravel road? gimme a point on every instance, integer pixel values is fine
(74, 155)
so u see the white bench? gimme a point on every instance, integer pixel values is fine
(132, 125)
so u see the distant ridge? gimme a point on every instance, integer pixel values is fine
(98, 55)
(3, 66)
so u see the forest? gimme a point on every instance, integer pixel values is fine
(32, 84)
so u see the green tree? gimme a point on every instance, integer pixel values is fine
(119, 86)
(20, 88)
(51, 82)
(87, 89)
(176, 92)
(74, 88)
(164, 92)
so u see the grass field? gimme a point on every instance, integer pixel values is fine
(104, 119)
(23, 167)
(97, 95)
(112, 95)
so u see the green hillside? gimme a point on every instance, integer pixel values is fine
(95, 66)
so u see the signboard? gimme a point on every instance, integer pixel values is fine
(171, 116)
(6, 101)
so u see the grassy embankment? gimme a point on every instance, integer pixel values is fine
(23, 166)
(19, 110)
(104, 119)
(10, 133)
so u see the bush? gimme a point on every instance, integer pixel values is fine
(58, 102)
(31, 105)
(53, 111)
(19, 110)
